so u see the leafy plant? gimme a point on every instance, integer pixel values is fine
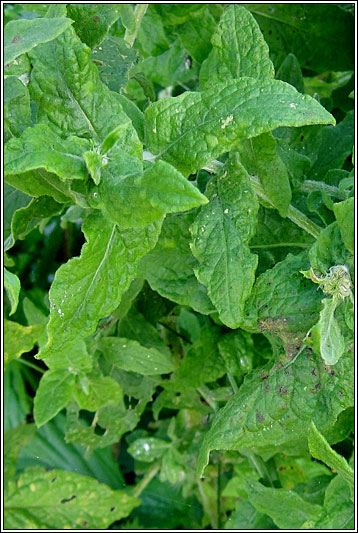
(179, 266)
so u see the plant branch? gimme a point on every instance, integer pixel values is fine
(139, 12)
(138, 489)
(233, 383)
(311, 185)
(30, 365)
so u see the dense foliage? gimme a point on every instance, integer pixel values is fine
(179, 247)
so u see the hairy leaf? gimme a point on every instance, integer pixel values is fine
(220, 235)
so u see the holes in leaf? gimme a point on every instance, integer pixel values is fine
(99, 430)
(112, 509)
(67, 500)
(53, 479)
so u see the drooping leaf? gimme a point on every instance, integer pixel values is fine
(344, 212)
(286, 508)
(89, 287)
(92, 21)
(130, 355)
(13, 200)
(48, 500)
(260, 158)
(54, 392)
(277, 403)
(239, 49)
(169, 267)
(320, 449)
(12, 286)
(21, 36)
(190, 130)
(220, 235)
(19, 339)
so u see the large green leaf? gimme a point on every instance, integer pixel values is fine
(70, 97)
(220, 233)
(89, 287)
(65, 500)
(97, 391)
(21, 36)
(131, 198)
(195, 34)
(192, 129)
(320, 36)
(54, 392)
(239, 49)
(327, 338)
(169, 267)
(15, 439)
(287, 509)
(277, 403)
(130, 355)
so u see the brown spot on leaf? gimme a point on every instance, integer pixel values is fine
(96, 18)
(260, 418)
(16, 39)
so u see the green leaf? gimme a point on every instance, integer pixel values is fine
(220, 233)
(328, 250)
(18, 404)
(237, 349)
(15, 439)
(287, 509)
(21, 36)
(151, 38)
(339, 509)
(195, 35)
(71, 98)
(60, 499)
(260, 158)
(12, 286)
(19, 339)
(308, 31)
(173, 14)
(169, 267)
(40, 148)
(239, 49)
(130, 355)
(277, 403)
(13, 200)
(131, 198)
(94, 165)
(92, 21)
(148, 449)
(190, 130)
(246, 517)
(53, 394)
(29, 217)
(17, 107)
(282, 302)
(48, 449)
(320, 449)
(114, 59)
(344, 212)
(99, 391)
(290, 72)
(89, 287)
(327, 339)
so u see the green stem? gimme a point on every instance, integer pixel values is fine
(282, 244)
(293, 214)
(139, 12)
(138, 489)
(233, 383)
(31, 365)
(311, 185)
